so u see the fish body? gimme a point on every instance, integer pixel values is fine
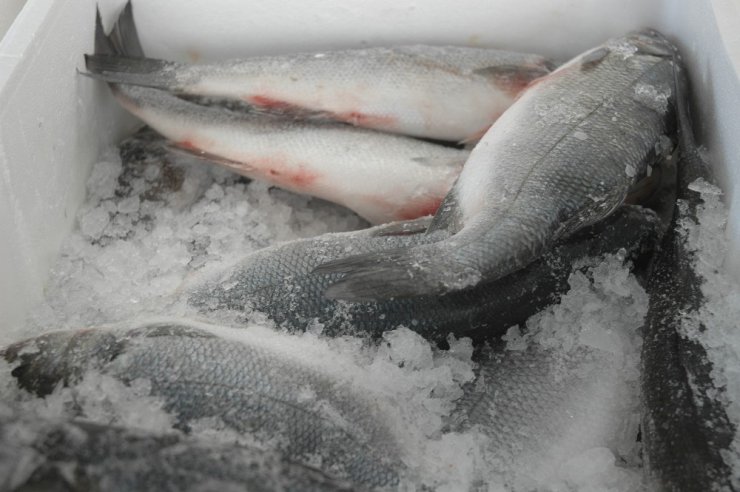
(565, 155)
(79, 455)
(280, 282)
(686, 431)
(381, 177)
(253, 385)
(540, 407)
(439, 92)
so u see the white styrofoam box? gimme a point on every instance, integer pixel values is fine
(8, 10)
(54, 123)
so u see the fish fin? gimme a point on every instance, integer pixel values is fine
(207, 156)
(148, 72)
(449, 215)
(103, 44)
(514, 78)
(375, 276)
(124, 34)
(404, 228)
(594, 58)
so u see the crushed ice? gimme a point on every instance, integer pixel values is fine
(146, 227)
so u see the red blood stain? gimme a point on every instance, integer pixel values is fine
(268, 102)
(418, 208)
(281, 172)
(362, 119)
(187, 144)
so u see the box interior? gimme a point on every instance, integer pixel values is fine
(54, 123)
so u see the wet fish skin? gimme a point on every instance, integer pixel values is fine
(440, 92)
(685, 427)
(280, 282)
(540, 406)
(381, 177)
(251, 386)
(79, 455)
(565, 155)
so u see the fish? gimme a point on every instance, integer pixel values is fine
(252, 383)
(540, 407)
(80, 455)
(379, 176)
(280, 282)
(563, 156)
(449, 93)
(685, 428)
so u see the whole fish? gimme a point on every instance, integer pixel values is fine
(78, 455)
(252, 383)
(280, 282)
(440, 92)
(565, 155)
(686, 431)
(381, 177)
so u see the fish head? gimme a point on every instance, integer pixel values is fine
(61, 357)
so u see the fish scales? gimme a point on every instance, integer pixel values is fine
(440, 92)
(565, 155)
(78, 455)
(382, 177)
(280, 282)
(253, 387)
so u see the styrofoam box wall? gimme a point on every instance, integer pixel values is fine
(54, 122)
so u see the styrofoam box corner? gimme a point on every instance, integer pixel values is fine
(54, 122)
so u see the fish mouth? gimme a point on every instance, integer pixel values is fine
(652, 42)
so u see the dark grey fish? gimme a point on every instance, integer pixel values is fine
(280, 282)
(685, 427)
(249, 382)
(565, 155)
(78, 455)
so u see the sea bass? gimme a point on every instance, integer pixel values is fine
(565, 155)
(79, 455)
(280, 282)
(686, 430)
(440, 92)
(253, 383)
(381, 177)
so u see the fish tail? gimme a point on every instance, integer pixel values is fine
(119, 57)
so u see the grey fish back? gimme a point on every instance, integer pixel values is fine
(252, 387)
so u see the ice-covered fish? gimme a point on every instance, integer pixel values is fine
(251, 383)
(565, 155)
(686, 430)
(279, 282)
(380, 176)
(441, 92)
(78, 455)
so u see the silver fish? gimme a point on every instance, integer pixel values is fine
(441, 92)
(252, 383)
(279, 282)
(563, 156)
(78, 455)
(381, 177)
